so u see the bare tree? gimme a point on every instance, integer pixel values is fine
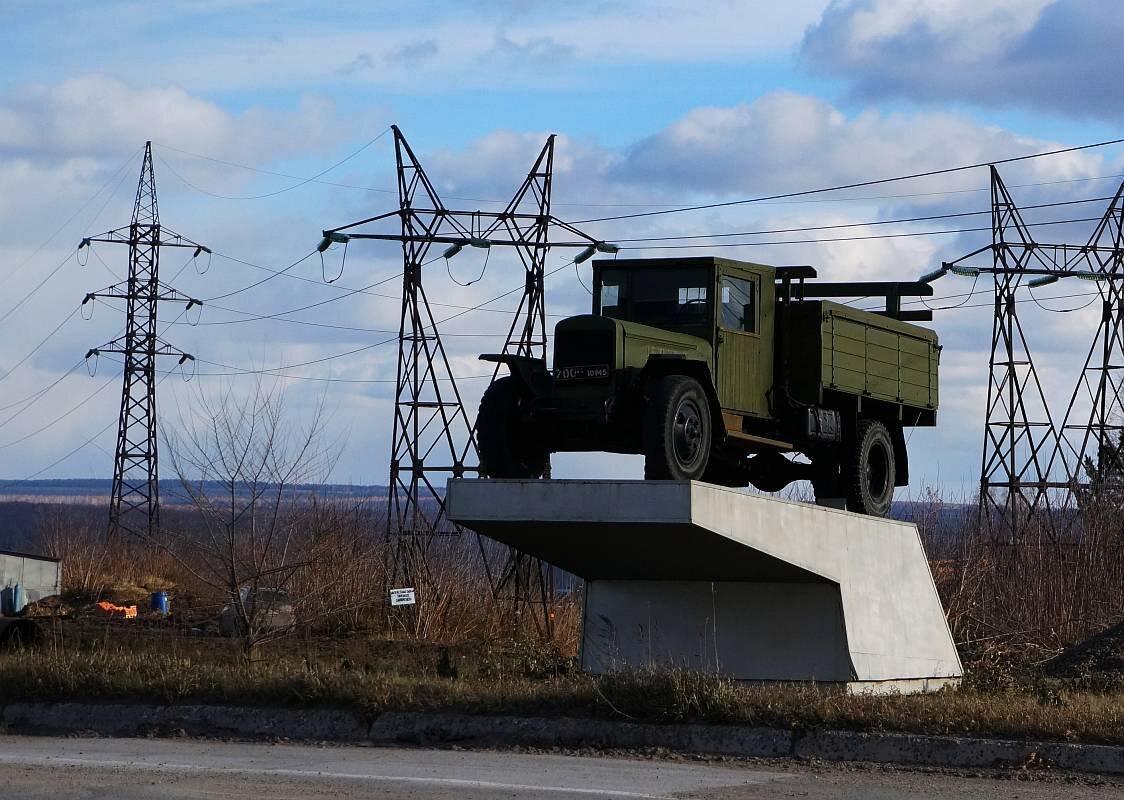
(242, 464)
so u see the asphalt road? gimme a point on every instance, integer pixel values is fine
(142, 769)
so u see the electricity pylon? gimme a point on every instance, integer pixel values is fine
(1094, 420)
(134, 503)
(433, 436)
(1030, 464)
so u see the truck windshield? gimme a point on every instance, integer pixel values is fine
(673, 299)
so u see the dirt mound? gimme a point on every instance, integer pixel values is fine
(53, 606)
(1096, 664)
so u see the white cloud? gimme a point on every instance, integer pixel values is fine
(781, 142)
(786, 141)
(97, 115)
(437, 49)
(1042, 54)
(968, 30)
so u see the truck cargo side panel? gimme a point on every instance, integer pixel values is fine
(846, 350)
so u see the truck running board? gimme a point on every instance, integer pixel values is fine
(749, 438)
(733, 424)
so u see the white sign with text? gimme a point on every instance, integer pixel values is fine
(402, 597)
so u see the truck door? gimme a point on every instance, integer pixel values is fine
(744, 345)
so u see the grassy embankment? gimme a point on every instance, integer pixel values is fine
(375, 676)
(1011, 610)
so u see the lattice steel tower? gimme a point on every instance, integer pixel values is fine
(1031, 465)
(1094, 420)
(433, 436)
(134, 504)
(1020, 437)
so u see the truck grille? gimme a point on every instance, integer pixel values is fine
(583, 348)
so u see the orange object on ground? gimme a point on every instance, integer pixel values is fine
(128, 612)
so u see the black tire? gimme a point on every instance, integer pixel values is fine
(505, 451)
(827, 481)
(869, 471)
(677, 430)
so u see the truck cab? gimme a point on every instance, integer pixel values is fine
(713, 369)
(727, 304)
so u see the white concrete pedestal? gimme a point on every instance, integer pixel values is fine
(695, 575)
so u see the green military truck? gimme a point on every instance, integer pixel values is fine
(727, 372)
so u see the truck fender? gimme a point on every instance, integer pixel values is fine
(662, 366)
(531, 372)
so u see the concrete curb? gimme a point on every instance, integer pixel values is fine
(395, 727)
(192, 720)
(413, 728)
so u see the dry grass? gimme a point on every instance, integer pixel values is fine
(1032, 599)
(337, 589)
(537, 683)
(1010, 609)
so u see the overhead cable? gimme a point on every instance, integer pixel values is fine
(301, 183)
(855, 185)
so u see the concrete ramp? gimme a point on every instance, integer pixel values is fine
(701, 576)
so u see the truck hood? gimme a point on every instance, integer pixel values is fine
(634, 343)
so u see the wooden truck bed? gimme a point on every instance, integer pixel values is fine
(836, 348)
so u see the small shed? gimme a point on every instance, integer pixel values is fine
(38, 576)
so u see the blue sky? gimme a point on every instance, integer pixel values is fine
(659, 102)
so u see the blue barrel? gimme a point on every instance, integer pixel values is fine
(158, 602)
(12, 600)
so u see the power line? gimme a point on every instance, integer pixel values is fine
(31, 398)
(839, 226)
(379, 189)
(45, 339)
(6, 486)
(907, 234)
(237, 373)
(275, 274)
(112, 379)
(992, 304)
(302, 182)
(280, 370)
(312, 362)
(384, 190)
(102, 261)
(1060, 310)
(30, 401)
(279, 317)
(943, 192)
(856, 185)
(63, 263)
(38, 286)
(119, 171)
(349, 289)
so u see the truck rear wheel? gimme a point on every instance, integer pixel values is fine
(677, 430)
(505, 452)
(869, 472)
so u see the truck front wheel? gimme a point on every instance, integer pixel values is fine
(677, 430)
(505, 450)
(869, 471)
